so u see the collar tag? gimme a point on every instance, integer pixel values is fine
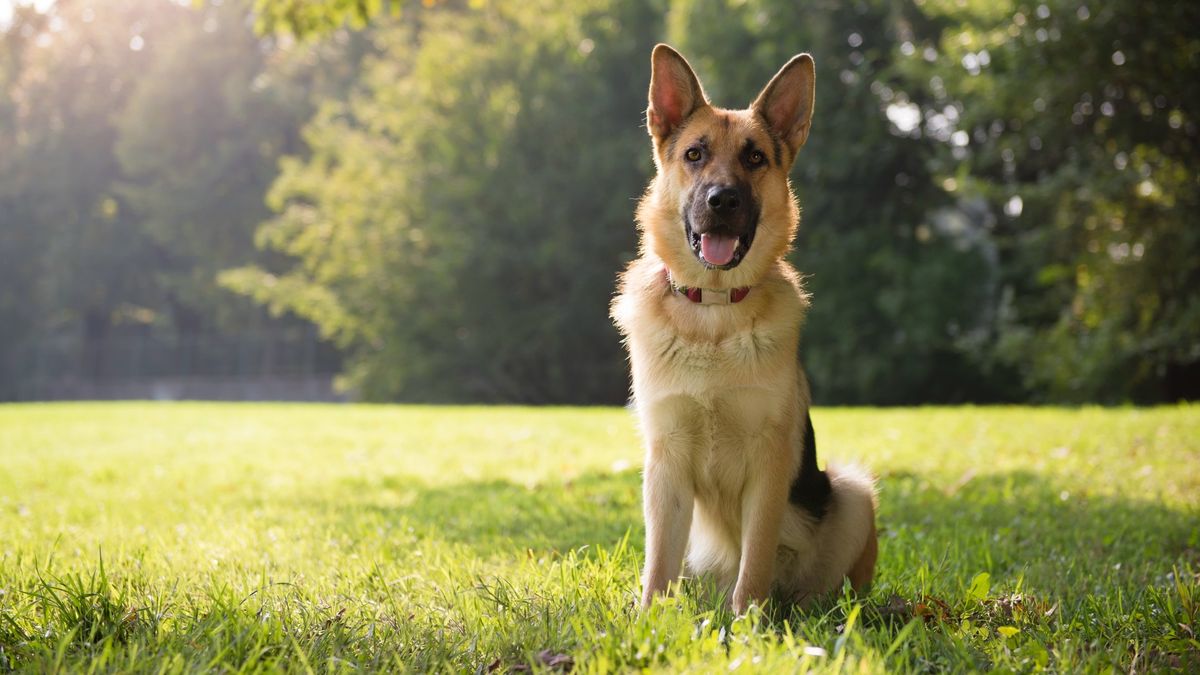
(707, 296)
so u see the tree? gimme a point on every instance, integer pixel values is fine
(305, 18)
(136, 141)
(459, 223)
(82, 247)
(20, 239)
(1077, 123)
(197, 145)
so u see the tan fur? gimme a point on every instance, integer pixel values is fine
(718, 390)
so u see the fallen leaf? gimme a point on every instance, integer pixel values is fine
(931, 609)
(563, 662)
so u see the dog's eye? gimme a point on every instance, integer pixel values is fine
(757, 157)
(692, 155)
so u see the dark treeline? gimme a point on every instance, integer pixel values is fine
(999, 196)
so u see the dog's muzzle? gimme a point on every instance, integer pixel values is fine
(719, 224)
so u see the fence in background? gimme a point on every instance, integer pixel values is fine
(283, 365)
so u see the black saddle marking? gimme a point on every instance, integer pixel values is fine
(811, 490)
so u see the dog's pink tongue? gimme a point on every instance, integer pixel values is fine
(717, 250)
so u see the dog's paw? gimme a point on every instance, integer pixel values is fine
(743, 600)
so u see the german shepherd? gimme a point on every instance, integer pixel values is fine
(711, 316)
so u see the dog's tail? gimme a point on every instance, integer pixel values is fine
(854, 534)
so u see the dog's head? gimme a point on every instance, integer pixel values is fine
(720, 211)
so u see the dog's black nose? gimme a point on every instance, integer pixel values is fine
(723, 199)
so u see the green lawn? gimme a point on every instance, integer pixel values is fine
(233, 537)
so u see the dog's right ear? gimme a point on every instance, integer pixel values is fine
(675, 92)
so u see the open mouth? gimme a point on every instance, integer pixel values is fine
(719, 250)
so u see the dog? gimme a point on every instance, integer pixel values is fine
(710, 313)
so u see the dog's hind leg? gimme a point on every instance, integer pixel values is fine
(863, 569)
(847, 537)
(818, 554)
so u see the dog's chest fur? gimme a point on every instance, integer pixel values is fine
(717, 388)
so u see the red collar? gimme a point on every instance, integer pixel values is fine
(708, 296)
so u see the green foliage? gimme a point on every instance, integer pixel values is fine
(144, 538)
(305, 18)
(136, 142)
(197, 144)
(460, 220)
(1092, 169)
(73, 241)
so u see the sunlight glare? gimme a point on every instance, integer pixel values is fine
(8, 8)
(906, 116)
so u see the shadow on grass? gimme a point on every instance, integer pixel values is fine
(503, 518)
(1009, 524)
(1020, 523)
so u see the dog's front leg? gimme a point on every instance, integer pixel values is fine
(763, 502)
(667, 494)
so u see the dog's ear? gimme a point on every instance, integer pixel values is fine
(675, 92)
(786, 103)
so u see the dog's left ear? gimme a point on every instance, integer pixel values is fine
(786, 103)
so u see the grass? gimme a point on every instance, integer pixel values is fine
(216, 537)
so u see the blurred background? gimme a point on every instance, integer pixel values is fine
(429, 201)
